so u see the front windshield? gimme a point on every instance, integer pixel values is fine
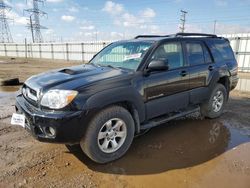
(122, 55)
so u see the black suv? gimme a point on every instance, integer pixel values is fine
(128, 87)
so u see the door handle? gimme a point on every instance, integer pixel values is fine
(183, 73)
(210, 68)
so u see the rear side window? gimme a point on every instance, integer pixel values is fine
(221, 50)
(195, 54)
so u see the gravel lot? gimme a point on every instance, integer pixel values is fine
(189, 152)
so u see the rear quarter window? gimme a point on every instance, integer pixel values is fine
(221, 50)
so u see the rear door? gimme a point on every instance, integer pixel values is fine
(167, 91)
(201, 69)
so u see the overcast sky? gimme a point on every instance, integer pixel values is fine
(78, 20)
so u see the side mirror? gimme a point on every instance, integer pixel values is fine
(158, 65)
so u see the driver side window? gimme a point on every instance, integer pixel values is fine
(170, 52)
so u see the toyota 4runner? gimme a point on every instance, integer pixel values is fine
(128, 87)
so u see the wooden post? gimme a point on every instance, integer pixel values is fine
(67, 51)
(82, 44)
(5, 50)
(31, 50)
(237, 47)
(245, 53)
(26, 48)
(52, 50)
(40, 50)
(17, 54)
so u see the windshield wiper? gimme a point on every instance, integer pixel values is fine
(110, 66)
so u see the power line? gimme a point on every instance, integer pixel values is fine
(6, 36)
(183, 20)
(172, 21)
(34, 25)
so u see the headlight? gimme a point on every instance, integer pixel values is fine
(57, 99)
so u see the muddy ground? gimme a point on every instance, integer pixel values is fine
(23, 68)
(189, 152)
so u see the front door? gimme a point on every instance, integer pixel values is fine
(166, 91)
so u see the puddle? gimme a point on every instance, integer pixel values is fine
(180, 144)
(4, 89)
(7, 93)
(243, 85)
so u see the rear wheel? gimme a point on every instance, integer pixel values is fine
(109, 135)
(213, 108)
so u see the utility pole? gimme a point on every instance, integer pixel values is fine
(215, 22)
(35, 26)
(183, 21)
(6, 36)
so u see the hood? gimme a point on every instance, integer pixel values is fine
(72, 77)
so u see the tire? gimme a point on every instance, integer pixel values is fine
(208, 109)
(113, 124)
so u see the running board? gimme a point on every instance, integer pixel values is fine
(165, 119)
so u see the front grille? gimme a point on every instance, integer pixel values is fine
(30, 94)
(30, 107)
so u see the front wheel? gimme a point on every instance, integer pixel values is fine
(109, 135)
(214, 107)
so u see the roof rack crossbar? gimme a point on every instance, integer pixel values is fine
(150, 36)
(177, 34)
(196, 34)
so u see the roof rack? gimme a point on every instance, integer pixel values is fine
(176, 35)
(150, 36)
(195, 34)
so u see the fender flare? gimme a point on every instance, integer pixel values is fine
(117, 95)
(216, 77)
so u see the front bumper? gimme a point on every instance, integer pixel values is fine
(68, 126)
